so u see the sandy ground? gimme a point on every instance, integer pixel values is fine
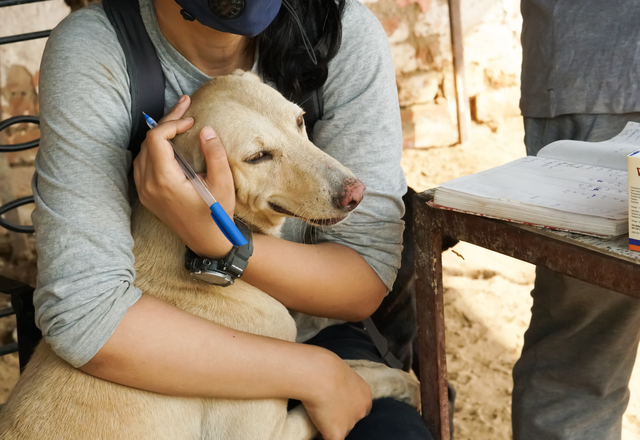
(486, 296)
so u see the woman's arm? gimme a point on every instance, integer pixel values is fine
(327, 279)
(160, 348)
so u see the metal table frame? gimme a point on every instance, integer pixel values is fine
(21, 293)
(541, 247)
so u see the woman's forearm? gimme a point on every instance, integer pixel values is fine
(160, 348)
(327, 279)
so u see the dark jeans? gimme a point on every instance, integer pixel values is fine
(389, 419)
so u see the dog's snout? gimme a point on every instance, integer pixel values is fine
(351, 195)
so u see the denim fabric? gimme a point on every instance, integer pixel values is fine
(571, 381)
(389, 419)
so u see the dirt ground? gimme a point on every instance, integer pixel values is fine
(486, 296)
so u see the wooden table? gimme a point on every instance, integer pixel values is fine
(606, 263)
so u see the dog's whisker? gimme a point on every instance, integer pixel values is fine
(300, 212)
(308, 229)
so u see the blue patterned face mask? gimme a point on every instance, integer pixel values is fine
(241, 17)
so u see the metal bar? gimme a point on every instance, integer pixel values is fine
(8, 348)
(24, 37)
(21, 294)
(430, 316)
(14, 120)
(28, 333)
(10, 286)
(559, 256)
(4, 3)
(7, 312)
(457, 49)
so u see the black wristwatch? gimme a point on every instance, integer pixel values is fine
(221, 272)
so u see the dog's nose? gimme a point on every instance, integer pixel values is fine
(351, 195)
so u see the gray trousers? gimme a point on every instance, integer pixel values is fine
(571, 381)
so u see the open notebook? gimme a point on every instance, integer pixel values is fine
(570, 185)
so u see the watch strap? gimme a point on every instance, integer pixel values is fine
(237, 260)
(233, 264)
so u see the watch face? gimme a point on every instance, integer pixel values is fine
(213, 277)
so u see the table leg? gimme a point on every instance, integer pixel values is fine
(430, 315)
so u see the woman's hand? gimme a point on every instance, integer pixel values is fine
(340, 400)
(166, 192)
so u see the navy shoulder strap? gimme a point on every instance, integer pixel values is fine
(143, 65)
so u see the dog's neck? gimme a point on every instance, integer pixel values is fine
(260, 222)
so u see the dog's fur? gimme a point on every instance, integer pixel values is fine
(53, 400)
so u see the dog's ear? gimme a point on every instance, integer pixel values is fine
(247, 75)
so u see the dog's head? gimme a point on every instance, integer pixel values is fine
(277, 171)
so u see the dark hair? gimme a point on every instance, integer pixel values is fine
(283, 56)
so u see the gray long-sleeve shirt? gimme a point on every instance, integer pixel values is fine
(83, 239)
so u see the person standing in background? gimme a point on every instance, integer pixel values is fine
(580, 80)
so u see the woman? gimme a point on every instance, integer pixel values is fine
(87, 307)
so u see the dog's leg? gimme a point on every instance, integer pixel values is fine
(297, 426)
(388, 382)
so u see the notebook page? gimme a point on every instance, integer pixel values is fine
(548, 183)
(611, 153)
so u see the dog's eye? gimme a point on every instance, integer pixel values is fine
(300, 120)
(259, 157)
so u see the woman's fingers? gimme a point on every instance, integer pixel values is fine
(156, 154)
(155, 148)
(342, 400)
(164, 190)
(155, 168)
(169, 129)
(218, 177)
(178, 110)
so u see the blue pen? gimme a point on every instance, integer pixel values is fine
(219, 215)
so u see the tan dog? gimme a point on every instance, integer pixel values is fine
(277, 172)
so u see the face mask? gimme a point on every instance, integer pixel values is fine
(241, 17)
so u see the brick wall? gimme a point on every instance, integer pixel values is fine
(418, 32)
